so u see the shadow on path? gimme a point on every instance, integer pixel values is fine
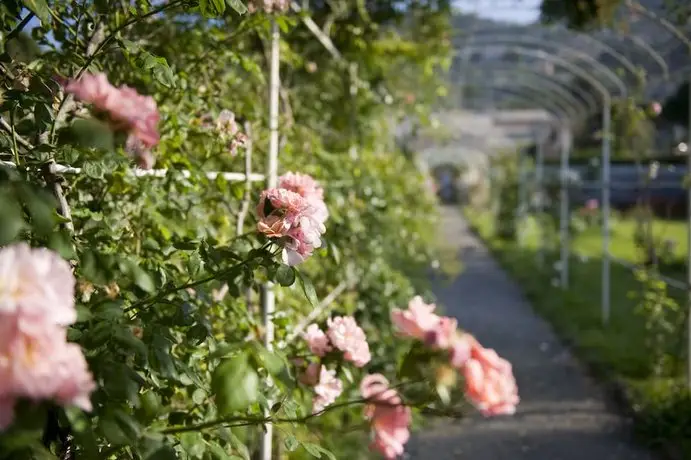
(563, 414)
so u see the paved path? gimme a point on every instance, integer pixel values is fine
(562, 415)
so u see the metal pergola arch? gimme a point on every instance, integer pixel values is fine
(541, 54)
(566, 105)
(519, 30)
(538, 45)
(586, 105)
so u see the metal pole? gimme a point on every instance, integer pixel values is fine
(564, 209)
(539, 172)
(606, 146)
(268, 295)
(688, 225)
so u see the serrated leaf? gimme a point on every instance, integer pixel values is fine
(316, 451)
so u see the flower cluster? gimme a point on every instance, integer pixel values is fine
(490, 384)
(126, 109)
(36, 305)
(343, 334)
(388, 416)
(294, 214)
(228, 128)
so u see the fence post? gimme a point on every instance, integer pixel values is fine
(268, 297)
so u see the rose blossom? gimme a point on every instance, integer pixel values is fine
(36, 303)
(389, 418)
(305, 186)
(126, 108)
(288, 216)
(310, 376)
(460, 350)
(441, 336)
(490, 384)
(417, 320)
(36, 285)
(326, 391)
(317, 341)
(348, 337)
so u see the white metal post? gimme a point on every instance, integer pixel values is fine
(605, 184)
(268, 295)
(564, 209)
(539, 173)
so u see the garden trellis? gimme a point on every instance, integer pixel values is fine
(645, 64)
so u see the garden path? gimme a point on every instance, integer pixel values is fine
(563, 415)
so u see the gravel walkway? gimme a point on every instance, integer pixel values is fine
(563, 414)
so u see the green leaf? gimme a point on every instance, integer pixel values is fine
(235, 385)
(217, 452)
(193, 444)
(291, 443)
(308, 288)
(39, 8)
(237, 5)
(285, 275)
(90, 133)
(316, 451)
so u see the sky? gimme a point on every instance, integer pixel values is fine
(517, 11)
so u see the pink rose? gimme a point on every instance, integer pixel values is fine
(305, 186)
(490, 384)
(417, 320)
(317, 341)
(347, 336)
(41, 364)
(389, 418)
(327, 390)
(36, 285)
(310, 376)
(127, 109)
(442, 335)
(460, 350)
(287, 216)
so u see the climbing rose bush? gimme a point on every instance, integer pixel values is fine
(345, 335)
(36, 305)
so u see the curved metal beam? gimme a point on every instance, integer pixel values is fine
(573, 111)
(587, 99)
(560, 112)
(546, 56)
(555, 30)
(529, 39)
(539, 44)
(581, 107)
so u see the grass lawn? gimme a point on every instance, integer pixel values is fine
(616, 352)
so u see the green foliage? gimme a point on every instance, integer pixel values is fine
(174, 359)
